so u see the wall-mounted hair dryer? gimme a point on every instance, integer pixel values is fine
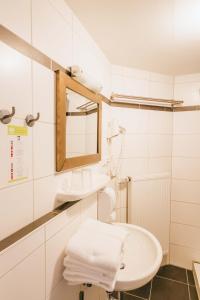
(115, 130)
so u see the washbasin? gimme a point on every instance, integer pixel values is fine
(141, 260)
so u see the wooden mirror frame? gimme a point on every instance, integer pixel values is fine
(63, 82)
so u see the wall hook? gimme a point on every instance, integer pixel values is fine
(6, 116)
(30, 120)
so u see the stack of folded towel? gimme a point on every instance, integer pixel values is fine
(94, 254)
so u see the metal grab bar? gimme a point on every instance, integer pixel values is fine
(126, 181)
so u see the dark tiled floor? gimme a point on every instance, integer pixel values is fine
(170, 283)
(190, 277)
(168, 290)
(143, 293)
(172, 272)
(193, 293)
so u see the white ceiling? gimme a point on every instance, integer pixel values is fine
(156, 35)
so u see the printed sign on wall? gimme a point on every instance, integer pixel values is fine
(17, 163)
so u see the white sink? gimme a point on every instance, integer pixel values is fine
(68, 195)
(142, 258)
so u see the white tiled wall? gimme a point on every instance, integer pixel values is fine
(185, 206)
(32, 268)
(136, 82)
(146, 154)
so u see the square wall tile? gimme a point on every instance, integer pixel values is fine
(186, 168)
(26, 280)
(187, 122)
(160, 122)
(16, 16)
(15, 90)
(159, 165)
(160, 90)
(137, 87)
(186, 145)
(135, 120)
(160, 145)
(186, 191)
(43, 93)
(133, 167)
(16, 208)
(44, 149)
(185, 235)
(185, 213)
(135, 145)
(183, 256)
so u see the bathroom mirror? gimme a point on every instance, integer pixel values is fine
(78, 124)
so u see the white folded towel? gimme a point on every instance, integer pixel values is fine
(94, 254)
(90, 274)
(96, 250)
(74, 280)
(72, 265)
(107, 229)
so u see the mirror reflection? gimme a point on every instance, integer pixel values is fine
(81, 125)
